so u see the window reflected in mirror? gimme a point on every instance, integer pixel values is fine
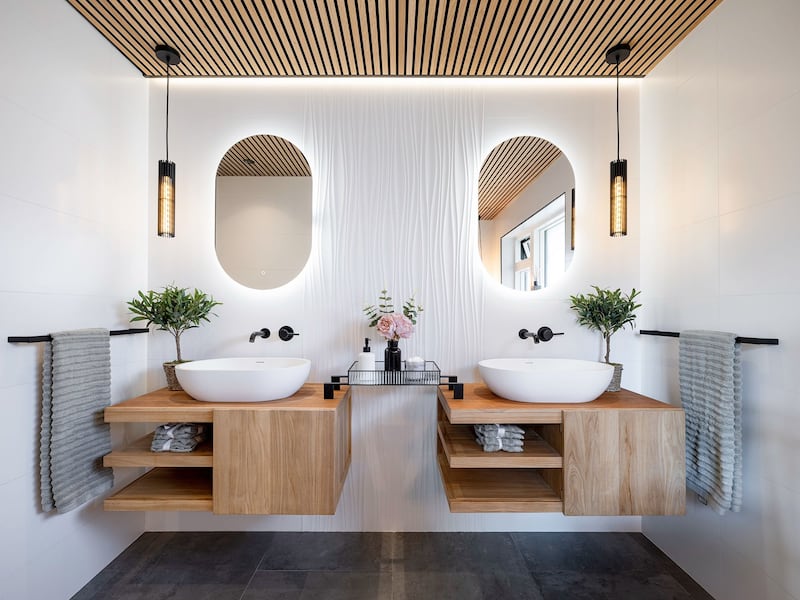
(524, 183)
(533, 254)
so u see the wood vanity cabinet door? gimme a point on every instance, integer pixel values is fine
(280, 461)
(624, 462)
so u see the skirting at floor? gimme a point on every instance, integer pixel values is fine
(392, 566)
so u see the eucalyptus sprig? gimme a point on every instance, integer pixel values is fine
(173, 309)
(385, 306)
(606, 311)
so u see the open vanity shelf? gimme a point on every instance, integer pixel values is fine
(619, 455)
(281, 457)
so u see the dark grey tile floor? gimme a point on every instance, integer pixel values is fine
(391, 566)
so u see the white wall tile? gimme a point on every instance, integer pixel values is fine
(72, 193)
(758, 248)
(730, 267)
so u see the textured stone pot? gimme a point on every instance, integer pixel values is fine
(616, 378)
(172, 379)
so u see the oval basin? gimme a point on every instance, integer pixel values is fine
(243, 379)
(546, 379)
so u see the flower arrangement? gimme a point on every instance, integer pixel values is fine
(390, 324)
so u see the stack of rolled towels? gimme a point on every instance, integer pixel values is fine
(493, 437)
(178, 437)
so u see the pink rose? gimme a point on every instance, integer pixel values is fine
(403, 327)
(386, 327)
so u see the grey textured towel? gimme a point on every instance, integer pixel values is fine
(493, 437)
(177, 437)
(494, 430)
(76, 387)
(711, 394)
(499, 444)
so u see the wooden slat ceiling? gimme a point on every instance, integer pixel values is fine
(263, 156)
(475, 38)
(509, 169)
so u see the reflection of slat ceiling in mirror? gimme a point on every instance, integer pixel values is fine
(263, 156)
(509, 169)
(495, 38)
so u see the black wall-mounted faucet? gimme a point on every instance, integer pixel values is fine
(286, 333)
(544, 334)
(262, 333)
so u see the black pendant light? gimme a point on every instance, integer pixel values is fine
(619, 168)
(166, 169)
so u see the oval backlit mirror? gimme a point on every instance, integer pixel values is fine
(526, 193)
(263, 211)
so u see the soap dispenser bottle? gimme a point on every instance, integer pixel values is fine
(366, 362)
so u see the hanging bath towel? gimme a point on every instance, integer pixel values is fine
(76, 388)
(711, 394)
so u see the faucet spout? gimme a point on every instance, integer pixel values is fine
(262, 333)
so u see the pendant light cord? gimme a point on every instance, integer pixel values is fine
(617, 65)
(167, 124)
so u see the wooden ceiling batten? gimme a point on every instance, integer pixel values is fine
(417, 38)
(271, 156)
(509, 168)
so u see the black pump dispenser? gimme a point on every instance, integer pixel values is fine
(366, 345)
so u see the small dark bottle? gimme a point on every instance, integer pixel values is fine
(392, 359)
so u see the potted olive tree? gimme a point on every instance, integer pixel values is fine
(175, 310)
(607, 311)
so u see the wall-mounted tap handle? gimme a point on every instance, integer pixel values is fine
(262, 333)
(286, 333)
(546, 334)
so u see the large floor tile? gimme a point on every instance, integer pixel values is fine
(560, 585)
(315, 551)
(164, 591)
(459, 552)
(585, 552)
(455, 585)
(319, 585)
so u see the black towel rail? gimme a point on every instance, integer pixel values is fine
(32, 339)
(739, 340)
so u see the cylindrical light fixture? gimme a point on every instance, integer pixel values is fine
(619, 168)
(619, 197)
(166, 198)
(166, 169)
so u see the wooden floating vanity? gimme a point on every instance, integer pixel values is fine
(282, 457)
(622, 454)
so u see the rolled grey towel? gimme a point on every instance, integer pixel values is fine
(498, 445)
(177, 437)
(495, 430)
(489, 439)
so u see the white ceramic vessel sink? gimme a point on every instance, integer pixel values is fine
(546, 379)
(243, 379)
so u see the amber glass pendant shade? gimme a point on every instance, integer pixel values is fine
(166, 198)
(619, 198)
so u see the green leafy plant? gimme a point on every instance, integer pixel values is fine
(385, 306)
(606, 311)
(173, 309)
